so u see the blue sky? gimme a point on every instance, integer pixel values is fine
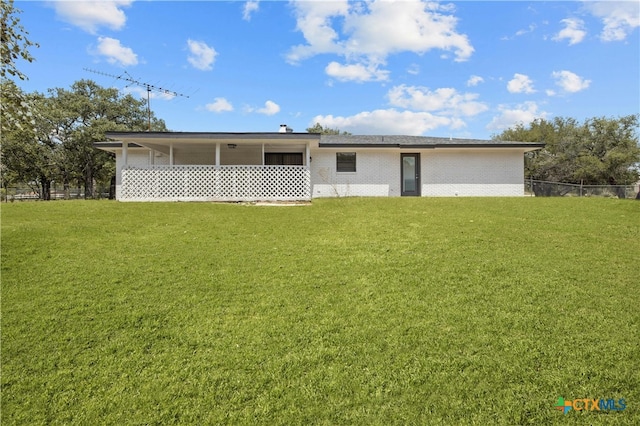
(465, 69)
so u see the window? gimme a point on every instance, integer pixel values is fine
(346, 161)
(283, 158)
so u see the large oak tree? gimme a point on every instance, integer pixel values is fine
(598, 151)
(57, 142)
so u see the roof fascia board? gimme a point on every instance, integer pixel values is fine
(116, 144)
(211, 135)
(431, 146)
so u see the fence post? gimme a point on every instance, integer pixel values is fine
(581, 182)
(531, 186)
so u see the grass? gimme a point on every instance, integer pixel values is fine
(348, 311)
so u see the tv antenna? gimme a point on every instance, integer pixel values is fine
(150, 88)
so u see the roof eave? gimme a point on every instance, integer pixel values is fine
(430, 146)
(112, 146)
(211, 135)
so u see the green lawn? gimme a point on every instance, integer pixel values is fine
(347, 311)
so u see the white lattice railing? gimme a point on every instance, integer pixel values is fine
(215, 183)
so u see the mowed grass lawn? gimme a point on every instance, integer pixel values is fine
(346, 311)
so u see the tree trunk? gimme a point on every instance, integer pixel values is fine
(46, 189)
(112, 188)
(67, 192)
(88, 184)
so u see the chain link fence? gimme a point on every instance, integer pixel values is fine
(532, 187)
(542, 188)
(28, 192)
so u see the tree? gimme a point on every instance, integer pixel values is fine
(600, 151)
(14, 45)
(317, 128)
(56, 142)
(82, 116)
(28, 150)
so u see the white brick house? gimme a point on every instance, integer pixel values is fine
(193, 166)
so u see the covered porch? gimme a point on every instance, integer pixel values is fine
(211, 166)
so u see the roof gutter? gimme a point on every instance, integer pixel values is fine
(428, 146)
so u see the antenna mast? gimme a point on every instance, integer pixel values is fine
(150, 87)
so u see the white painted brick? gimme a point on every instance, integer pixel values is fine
(444, 173)
(377, 174)
(481, 172)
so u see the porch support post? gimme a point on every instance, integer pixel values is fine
(308, 155)
(263, 153)
(171, 153)
(125, 153)
(152, 154)
(218, 154)
(120, 168)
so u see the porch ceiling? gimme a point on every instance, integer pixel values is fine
(196, 142)
(198, 147)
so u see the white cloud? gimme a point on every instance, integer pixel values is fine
(474, 80)
(521, 114)
(573, 31)
(446, 101)
(219, 105)
(270, 108)
(356, 72)
(367, 33)
(314, 21)
(414, 69)
(520, 84)
(201, 56)
(249, 8)
(420, 110)
(620, 18)
(570, 82)
(414, 26)
(531, 28)
(142, 93)
(389, 122)
(115, 52)
(91, 15)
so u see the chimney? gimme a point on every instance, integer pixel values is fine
(285, 129)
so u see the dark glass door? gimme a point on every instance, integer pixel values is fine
(410, 174)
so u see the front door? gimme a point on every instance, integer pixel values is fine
(410, 174)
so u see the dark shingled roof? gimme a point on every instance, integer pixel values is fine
(325, 141)
(393, 141)
(211, 135)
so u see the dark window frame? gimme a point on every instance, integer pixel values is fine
(346, 162)
(283, 159)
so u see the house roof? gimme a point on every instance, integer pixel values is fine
(393, 141)
(204, 136)
(151, 139)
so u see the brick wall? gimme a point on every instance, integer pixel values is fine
(483, 172)
(377, 174)
(444, 173)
